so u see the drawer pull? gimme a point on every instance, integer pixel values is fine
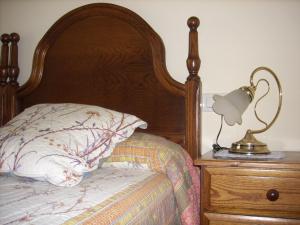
(272, 195)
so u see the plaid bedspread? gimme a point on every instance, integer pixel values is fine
(163, 156)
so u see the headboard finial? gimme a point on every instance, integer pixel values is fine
(193, 23)
(193, 61)
(5, 38)
(15, 37)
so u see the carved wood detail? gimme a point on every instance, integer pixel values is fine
(5, 39)
(14, 66)
(193, 92)
(8, 76)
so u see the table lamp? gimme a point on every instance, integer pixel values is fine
(233, 105)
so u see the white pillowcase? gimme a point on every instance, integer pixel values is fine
(60, 142)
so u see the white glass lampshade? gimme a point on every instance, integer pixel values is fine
(232, 105)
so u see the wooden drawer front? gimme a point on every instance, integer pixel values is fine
(244, 191)
(226, 219)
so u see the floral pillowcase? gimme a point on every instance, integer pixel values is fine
(60, 142)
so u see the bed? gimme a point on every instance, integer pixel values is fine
(99, 61)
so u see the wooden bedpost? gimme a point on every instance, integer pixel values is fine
(13, 74)
(5, 39)
(14, 67)
(193, 92)
(9, 75)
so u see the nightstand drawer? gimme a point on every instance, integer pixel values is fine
(227, 219)
(252, 192)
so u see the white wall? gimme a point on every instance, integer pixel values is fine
(235, 36)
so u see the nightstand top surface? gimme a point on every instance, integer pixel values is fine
(291, 160)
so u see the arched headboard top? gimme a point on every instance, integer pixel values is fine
(96, 24)
(104, 54)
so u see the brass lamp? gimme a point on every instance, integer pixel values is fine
(233, 105)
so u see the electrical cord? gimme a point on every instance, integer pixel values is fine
(216, 146)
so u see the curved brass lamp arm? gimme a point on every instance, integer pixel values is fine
(279, 103)
(264, 95)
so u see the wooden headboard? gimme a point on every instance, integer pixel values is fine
(107, 55)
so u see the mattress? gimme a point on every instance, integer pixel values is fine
(106, 196)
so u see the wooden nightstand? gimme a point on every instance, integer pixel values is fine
(240, 192)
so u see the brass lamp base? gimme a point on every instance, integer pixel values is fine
(249, 145)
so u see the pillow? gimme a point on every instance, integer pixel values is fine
(60, 142)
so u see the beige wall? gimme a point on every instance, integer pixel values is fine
(235, 37)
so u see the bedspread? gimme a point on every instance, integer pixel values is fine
(163, 156)
(147, 180)
(109, 196)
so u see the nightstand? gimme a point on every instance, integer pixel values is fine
(240, 192)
